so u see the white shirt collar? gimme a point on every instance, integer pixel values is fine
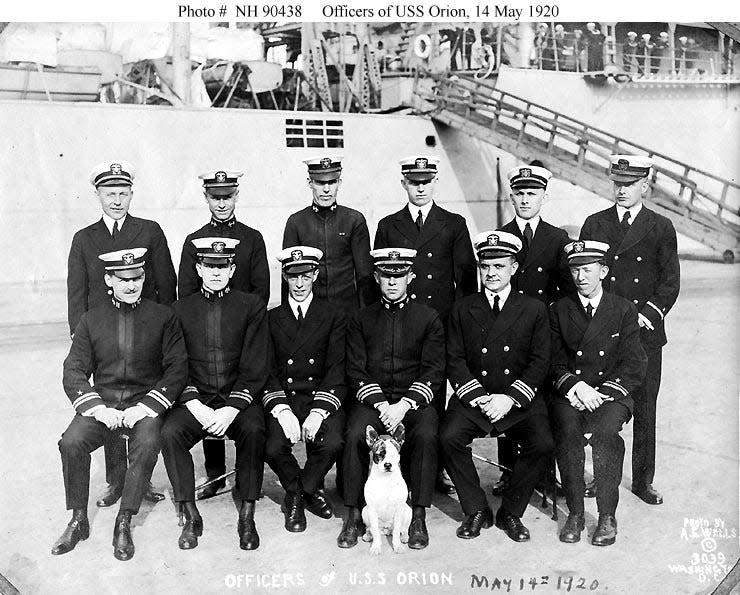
(305, 304)
(633, 211)
(533, 223)
(414, 210)
(109, 221)
(503, 295)
(594, 301)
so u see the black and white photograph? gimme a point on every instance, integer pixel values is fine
(418, 298)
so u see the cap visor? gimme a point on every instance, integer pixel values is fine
(215, 259)
(221, 190)
(420, 176)
(578, 261)
(127, 273)
(325, 176)
(494, 254)
(625, 177)
(392, 271)
(117, 181)
(297, 269)
(528, 184)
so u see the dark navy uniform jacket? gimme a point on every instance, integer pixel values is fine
(227, 340)
(604, 351)
(345, 271)
(543, 271)
(86, 287)
(444, 264)
(505, 354)
(308, 358)
(252, 274)
(394, 352)
(134, 354)
(643, 264)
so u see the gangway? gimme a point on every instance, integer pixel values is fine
(701, 205)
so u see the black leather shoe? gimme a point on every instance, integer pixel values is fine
(606, 530)
(151, 496)
(295, 516)
(590, 489)
(249, 539)
(471, 526)
(502, 484)
(418, 534)
(352, 529)
(212, 489)
(193, 527)
(648, 494)
(318, 504)
(78, 529)
(444, 484)
(123, 544)
(571, 532)
(111, 495)
(511, 525)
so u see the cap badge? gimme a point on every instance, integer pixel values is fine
(296, 254)
(422, 163)
(493, 240)
(578, 246)
(128, 258)
(218, 246)
(220, 176)
(525, 172)
(622, 164)
(115, 168)
(326, 163)
(394, 255)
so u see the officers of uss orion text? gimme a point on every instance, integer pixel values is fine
(554, 339)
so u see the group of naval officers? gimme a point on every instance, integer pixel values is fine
(542, 339)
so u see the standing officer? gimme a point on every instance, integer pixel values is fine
(542, 271)
(345, 273)
(597, 361)
(498, 356)
(227, 341)
(395, 363)
(306, 388)
(86, 288)
(134, 350)
(643, 265)
(252, 275)
(444, 269)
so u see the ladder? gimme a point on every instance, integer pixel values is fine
(701, 205)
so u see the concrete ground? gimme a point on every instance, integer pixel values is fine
(684, 546)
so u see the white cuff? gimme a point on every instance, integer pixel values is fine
(278, 409)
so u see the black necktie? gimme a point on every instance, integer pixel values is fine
(419, 221)
(626, 222)
(115, 231)
(496, 309)
(590, 308)
(528, 235)
(300, 315)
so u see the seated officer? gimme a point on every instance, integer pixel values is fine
(395, 362)
(227, 341)
(597, 362)
(498, 355)
(134, 349)
(306, 388)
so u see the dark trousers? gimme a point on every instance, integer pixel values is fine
(507, 451)
(320, 454)
(114, 449)
(86, 434)
(532, 434)
(607, 446)
(181, 431)
(418, 453)
(214, 458)
(643, 429)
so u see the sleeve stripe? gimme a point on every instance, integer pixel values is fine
(269, 397)
(329, 398)
(159, 398)
(190, 389)
(424, 390)
(469, 386)
(241, 393)
(616, 386)
(523, 388)
(84, 399)
(411, 402)
(658, 310)
(368, 390)
(562, 379)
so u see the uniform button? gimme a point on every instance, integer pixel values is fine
(639, 259)
(578, 371)
(539, 291)
(616, 257)
(429, 276)
(539, 269)
(429, 255)
(413, 296)
(310, 360)
(613, 279)
(429, 297)
(484, 350)
(601, 373)
(579, 353)
(636, 280)
(292, 393)
(521, 291)
(310, 379)
(290, 381)
(601, 353)
(506, 371)
(484, 373)
(290, 362)
(634, 301)
(506, 348)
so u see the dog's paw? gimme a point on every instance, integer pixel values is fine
(404, 537)
(375, 549)
(367, 536)
(398, 548)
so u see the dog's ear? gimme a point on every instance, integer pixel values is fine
(399, 434)
(371, 436)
